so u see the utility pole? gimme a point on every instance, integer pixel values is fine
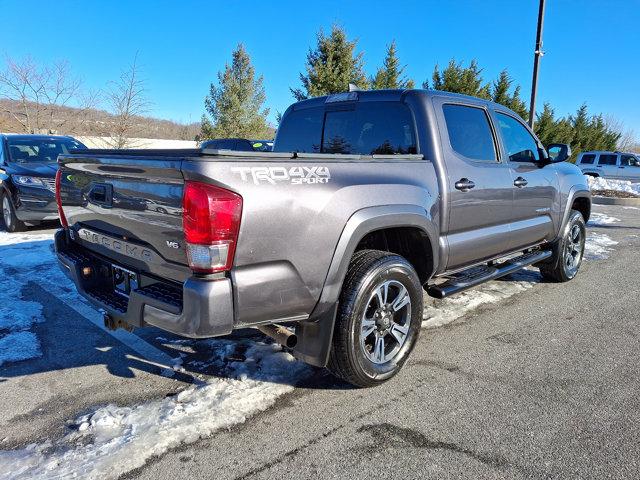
(536, 60)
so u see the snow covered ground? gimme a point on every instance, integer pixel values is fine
(110, 440)
(17, 316)
(599, 183)
(103, 142)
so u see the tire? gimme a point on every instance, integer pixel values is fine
(568, 252)
(9, 219)
(355, 355)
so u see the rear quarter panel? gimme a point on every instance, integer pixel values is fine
(290, 229)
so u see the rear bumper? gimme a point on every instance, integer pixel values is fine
(200, 308)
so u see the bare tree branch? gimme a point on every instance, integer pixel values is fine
(38, 93)
(127, 100)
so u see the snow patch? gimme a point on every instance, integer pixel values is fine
(19, 253)
(18, 346)
(600, 219)
(114, 440)
(599, 183)
(597, 246)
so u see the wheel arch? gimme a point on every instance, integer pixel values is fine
(583, 205)
(579, 198)
(362, 228)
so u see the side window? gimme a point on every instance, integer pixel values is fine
(608, 159)
(300, 131)
(469, 132)
(1, 151)
(627, 161)
(588, 158)
(520, 144)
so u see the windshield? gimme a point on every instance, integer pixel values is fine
(40, 150)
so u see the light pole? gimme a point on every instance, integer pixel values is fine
(536, 60)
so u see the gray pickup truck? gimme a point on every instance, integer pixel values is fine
(328, 243)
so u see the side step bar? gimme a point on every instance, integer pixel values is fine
(477, 275)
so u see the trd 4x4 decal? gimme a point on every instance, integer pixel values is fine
(293, 175)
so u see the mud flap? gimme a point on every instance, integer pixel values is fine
(314, 338)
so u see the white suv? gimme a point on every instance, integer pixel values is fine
(618, 165)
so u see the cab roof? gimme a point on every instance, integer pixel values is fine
(392, 95)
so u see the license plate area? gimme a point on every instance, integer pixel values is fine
(124, 280)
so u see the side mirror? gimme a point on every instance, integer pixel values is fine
(558, 152)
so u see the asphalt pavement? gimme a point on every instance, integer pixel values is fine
(543, 384)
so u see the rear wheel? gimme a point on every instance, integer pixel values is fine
(379, 318)
(568, 252)
(9, 218)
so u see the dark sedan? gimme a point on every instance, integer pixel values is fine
(27, 177)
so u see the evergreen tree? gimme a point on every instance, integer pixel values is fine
(331, 66)
(581, 131)
(459, 79)
(390, 74)
(235, 105)
(500, 94)
(581, 128)
(545, 126)
(518, 105)
(500, 88)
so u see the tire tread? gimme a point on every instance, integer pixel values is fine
(340, 361)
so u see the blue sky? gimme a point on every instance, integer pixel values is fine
(591, 46)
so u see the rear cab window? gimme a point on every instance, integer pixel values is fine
(366, 128)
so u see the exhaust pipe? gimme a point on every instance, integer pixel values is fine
(280, 334)
(111, 323)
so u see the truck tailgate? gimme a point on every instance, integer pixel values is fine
(127, 208)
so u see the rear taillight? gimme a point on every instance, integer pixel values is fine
(63, 219)
(211, 220)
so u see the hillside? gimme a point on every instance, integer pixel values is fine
(97, 123)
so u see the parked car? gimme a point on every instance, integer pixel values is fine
(617, 165)
(239, 144)
(367, 198)
(27, 177)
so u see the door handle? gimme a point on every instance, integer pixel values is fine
(520, 182)
(464, 185)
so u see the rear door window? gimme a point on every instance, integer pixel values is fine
(588, 158)
(607, 159)
(469, 132)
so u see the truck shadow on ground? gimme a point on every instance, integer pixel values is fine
(70, 341)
